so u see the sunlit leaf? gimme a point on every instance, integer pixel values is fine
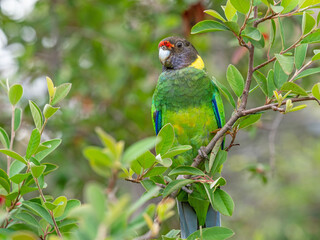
(214, 14)
(316, 91)
(4, 138)
(36, 114)
(60, 93)
(229, 11)
(242, 6)
(15, 93)
(13, 155)
(61, 203)
(308, 23)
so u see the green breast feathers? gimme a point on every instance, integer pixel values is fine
(189, 100)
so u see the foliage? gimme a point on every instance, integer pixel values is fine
(107, 50)
(23, 216)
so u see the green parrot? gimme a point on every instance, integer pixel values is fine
(186, 97)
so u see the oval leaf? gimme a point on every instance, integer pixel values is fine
(316, 91)
(186, 170)
(13, 155)
(15, 93)
(208, 26)
(33, 143)
(212, 233)
(177, 150)
(48, 111)
(17, 118)
(286, 63)
(235, 80)
(294, 88)
(165, 138)
(4, 138)
(37, 170)
(176, 185)
(61, 92)
(262, 81)
(300, 55)
(215, 14)
(36, 114)
(242, 6)
(61, 203)
(223, 202)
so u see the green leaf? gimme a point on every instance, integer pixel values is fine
(107, 140)
(229, 11)
(4, 175)
(242, 6)
(279, 76)
(155, 171)
(307, 3)
(262, 81)
(27, 218)
(176, 151)
(289, 5)
(166, 162)
(36, 114)
(49, 168)
(297, 108)
(38, 210)
(214, 14)
(173, 233)
(146, 160)
(5, 184)
(176, 185)
(233, 26)
(145, 197)
(281, 32)
(252, 33)
(208, 26)
(61, 203)
(166, 139)
(223, 202)
(13, 155)
(300, 55)
(294, 88)
(148, 184)
(52, 144)
(248, 120)
(51, 88)
(186, 170)
(4, 138)
(276, 9)
(312, 38)
(212, 233)
(286, 63)
(48, 111)
(200, 206)
(316, 91)
(37, 171)
(273, 32)
(33, 143)
(137, 149)
(224, 92)
(50, 206)
(17, 118)
(235, 80)
(71, 204)
(307, 72)
(25, 189)
(270, 83)
(18, 178)
(218, 161)
(23, 235)
(15, 93)
(308, 23)
(316, 55)
(41, 148)
(61, 92)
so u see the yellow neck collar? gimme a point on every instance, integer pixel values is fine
(198, 63)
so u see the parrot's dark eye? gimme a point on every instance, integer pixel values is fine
(179, 44)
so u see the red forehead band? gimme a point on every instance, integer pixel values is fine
(165, 43)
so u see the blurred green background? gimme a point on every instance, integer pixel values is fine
(107, 49)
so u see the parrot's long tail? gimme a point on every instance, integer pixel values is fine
(189, 220)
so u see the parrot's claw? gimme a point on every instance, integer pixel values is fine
(202, 152)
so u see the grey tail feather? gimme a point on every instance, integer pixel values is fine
(189, 221)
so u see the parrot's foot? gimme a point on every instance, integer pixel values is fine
(202, 152)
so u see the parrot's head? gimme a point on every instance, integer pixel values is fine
(176, 53)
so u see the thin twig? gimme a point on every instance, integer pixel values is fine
(300, 70)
